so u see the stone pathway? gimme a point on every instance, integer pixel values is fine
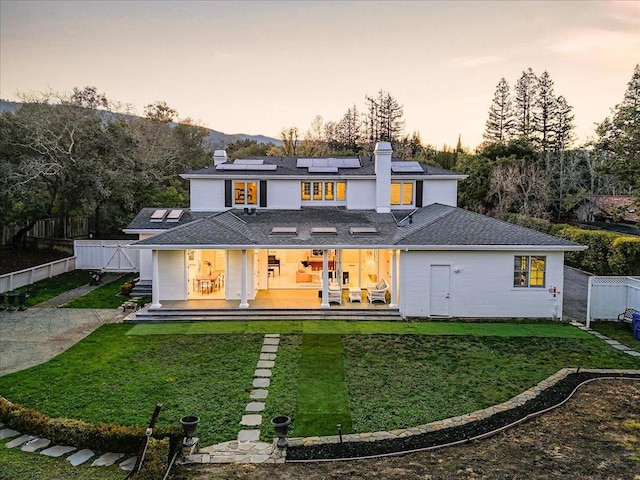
(614, 343)
(248, 448)
(32, 444)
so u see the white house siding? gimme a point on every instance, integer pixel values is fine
(172, 271)
(444, 192)
(361, 194)
(207, 194)
(146, 262)
(233, 277)
(482, 285)
(283, 194)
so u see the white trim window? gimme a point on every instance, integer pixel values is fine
(245, 193)
(529, 271)
(402, 193)
(323, 191)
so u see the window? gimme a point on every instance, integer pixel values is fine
(324, 191)
(245, 193)
(529, 271)
(401, 193)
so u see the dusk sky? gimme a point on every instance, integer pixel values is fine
(257, 67)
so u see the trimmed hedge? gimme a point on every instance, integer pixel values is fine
(156, 460)
(608, 253)
(103, 437)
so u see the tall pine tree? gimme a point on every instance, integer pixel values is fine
(545, 112)
(500, 122)
(525, 94)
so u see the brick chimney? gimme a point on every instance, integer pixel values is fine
(382, 155)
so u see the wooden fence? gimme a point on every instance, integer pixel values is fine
(74, 227)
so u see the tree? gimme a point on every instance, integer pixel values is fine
(500, 122)
(525, 93)
(619, 136)
(160, 112)
(289, 137)
(384, 119)
(545, 110)
(88, 97)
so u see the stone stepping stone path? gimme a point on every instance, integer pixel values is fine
(614, 343)
(248, 448)
(33, 444)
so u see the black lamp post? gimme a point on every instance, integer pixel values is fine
(189, 424)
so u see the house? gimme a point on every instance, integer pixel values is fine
(607, 208)
(345, 225)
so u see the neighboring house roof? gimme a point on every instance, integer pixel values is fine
(610, 207)
(287, 166)
(435, 227)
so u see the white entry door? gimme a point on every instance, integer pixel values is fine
(440, 294)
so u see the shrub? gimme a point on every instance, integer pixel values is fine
(539, 224)
(599, 258)
(125, 289)
(625, 256)
(102, 437)
(155, 461)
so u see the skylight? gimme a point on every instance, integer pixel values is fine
(158, 215)
(363, 231)
(284, 231)
(406, 167)
(324, 231)
(175, 215)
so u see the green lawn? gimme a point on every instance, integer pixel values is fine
(52, 287)
(364, 375)
(617, 331)
(105, 296)
(18, 465)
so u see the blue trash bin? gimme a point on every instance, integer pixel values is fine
(635, 325)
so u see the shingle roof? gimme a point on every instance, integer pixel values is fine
(432, 226)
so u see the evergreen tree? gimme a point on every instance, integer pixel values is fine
(500, 122)
(525, 94)
(384, 118)
(544, 116)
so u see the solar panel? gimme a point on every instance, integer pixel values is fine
(175, 215)
(406, 167)
(324, 231)
(352, 163)
(230, 166)
(363, 230)
(304, 162)
(158, 215)
(265, 167)
(284, 231)
(323, 169)
(249, 161)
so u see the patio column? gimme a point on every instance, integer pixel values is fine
(325, 279)
(394, 279)
(155, 282)
(243, 287)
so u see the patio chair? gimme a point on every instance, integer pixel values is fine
(335, 294)
(377, 292)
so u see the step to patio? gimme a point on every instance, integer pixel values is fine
(207, 315)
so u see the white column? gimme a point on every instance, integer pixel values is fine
(325, 279)
(243, 287)
(394, 279)
(155, 281)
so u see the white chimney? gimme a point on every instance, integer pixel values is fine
(382, 154)
(219, 156)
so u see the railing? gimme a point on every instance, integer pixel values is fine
(28, 276)
(608, 297)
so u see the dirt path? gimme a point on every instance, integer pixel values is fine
(596, 435)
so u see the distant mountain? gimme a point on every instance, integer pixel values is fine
(217, 138)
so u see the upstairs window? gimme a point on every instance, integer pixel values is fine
(401, 193)
(323, 191)
(529, 271)
(245, 193)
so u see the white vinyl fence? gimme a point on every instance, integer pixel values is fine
(608, 297)
(106, 255)
(21, 278)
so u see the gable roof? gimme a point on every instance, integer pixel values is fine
(435, 227)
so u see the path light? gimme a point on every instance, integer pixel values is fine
(281, 426)
(189, 424)
(339, 427)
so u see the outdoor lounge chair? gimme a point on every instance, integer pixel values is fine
(377, 292)
(335, 294)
